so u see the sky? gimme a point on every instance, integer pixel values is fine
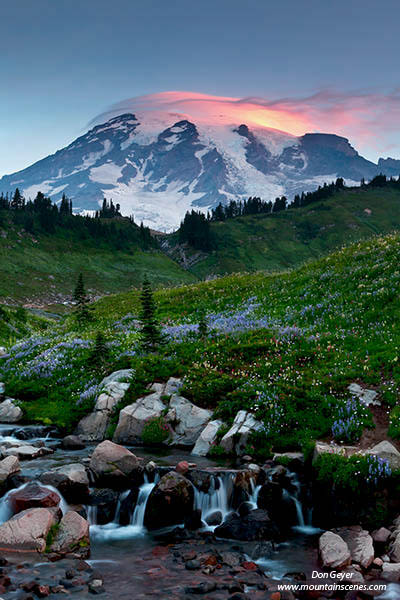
(296, 65)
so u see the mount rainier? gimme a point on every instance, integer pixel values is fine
(157, 165)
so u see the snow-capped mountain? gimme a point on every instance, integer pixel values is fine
(158, 165)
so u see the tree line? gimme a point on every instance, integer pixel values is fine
(106, 226)
(196, 231)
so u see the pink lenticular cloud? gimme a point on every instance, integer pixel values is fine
(371, 120)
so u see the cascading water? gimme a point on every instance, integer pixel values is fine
(114, 531)
(255, 489)
(216, 498)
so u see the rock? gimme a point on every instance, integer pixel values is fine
(72, 442)
(28, 530)
(214, 518)
(394, 549)
(255, 526)
(294, 460)
(111, 462)
(381, 536)
(170, 501)
(378, 562)
(134, 417)
(193, 521)
(72, 537)
(93, 427)
(105, 501)
(359, 543)
(334, 552)
(28, 452)
(32, 495)
(96, 586)
(391, 572)
(71, 480)
(3, 351)
(324, 448)
(172, 386)
(386, 451)
(187, 420)
(8, 466)
(206, 438)
(9, 412)
(235, 439)
(2, 386)
(182, 467)
(366, 397)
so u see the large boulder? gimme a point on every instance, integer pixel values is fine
(170, 501)
(72, 537)
(386, 451)
(112, 464)
(32, 495)
(324, 448)
(9, 411)
(235, 439)
(394, 549)
(360, 544)
(8, 466)
(72, 442)
(71, 480)
(187, 420)
(254, 526)
(28, 530)
(206, 438)
(93, 427)
(133, 418)
(334, 551)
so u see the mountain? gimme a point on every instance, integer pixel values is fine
(157, 165)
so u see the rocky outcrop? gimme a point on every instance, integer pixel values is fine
(9, 411)
(32, 495)
(235, 439)
(254, 526)
(170, 502)
(187, 420)
(133, 418)
(334, 551)
(8, 466)
(112, 464)
(71, 480)
(206, 438)
(360, 544)
(72, 537)
(28, 530)
(93, 427)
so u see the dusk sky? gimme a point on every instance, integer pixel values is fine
(297, 65)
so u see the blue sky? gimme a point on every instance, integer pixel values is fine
(63, 62)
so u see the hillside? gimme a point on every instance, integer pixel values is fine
(288, 238)
(283, 345)
(40, 269)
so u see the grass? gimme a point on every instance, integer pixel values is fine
(284, 345)
(44, 269)
(287, 239)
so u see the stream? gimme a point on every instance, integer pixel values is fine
(137, 564)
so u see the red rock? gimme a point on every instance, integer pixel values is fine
(249, 566)
(275, 596)
(211, 560)
(33, 495)
(42, 591)
(182, 467)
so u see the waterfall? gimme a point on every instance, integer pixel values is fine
(115, 531)
(217, 497)
(253, 496)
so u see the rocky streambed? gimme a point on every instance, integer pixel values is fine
(84, 519)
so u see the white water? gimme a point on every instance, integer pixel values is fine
(217, 497)
(115, 531)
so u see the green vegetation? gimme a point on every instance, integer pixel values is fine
(155, 432)
(284, 346)
(288, 238)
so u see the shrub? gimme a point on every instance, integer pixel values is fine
(155, 432)
(351, 418)
(394, 423)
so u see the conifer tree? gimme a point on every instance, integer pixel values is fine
(82, 310)
(150, 332)
(100, 353)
